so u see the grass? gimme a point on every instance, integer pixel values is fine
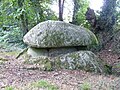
(44, 85)
(9, 88)
(39, 85)
(85, 86)
(13, 53)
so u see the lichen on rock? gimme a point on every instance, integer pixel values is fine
(56, 45)
(51, 34)
(83, 60)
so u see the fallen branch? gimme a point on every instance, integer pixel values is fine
(22, 52)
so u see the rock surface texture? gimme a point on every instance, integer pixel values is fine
(85, 60)
(50, 34)
(59, 45)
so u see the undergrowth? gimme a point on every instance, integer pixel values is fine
(11, 40)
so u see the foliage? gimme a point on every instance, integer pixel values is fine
(40, 11)
(12, 36)
(9, 88)
(118, 11)
(80, 14)
(117, 25)
(11, 39)
(107, 15)
(85, 86)
(36, 10)
(105, 23)
(11, 17)
(45, 85)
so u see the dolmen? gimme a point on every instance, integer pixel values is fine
(55, 45)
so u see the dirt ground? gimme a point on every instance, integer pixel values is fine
(13, 73)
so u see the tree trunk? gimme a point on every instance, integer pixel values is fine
(24, 23)
(75, 10)
(61, 7)
(23, 18)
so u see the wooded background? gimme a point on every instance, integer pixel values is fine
(17, 17)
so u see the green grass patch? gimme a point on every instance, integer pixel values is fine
(13, 53)
(45, 85)
(85, 86)
(9, 88)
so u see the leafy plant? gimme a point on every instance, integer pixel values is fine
(80, 13)
(45, 85)
(9, 88)
(85, 86)
(11, 39)
(27, 13)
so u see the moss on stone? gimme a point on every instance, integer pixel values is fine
(54, 38)
(47, 65)
(57, 64)
(83, 60)
(74, 56)
(51, 34)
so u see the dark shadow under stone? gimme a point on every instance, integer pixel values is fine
(53, 52)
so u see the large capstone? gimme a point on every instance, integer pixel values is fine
(50, 34)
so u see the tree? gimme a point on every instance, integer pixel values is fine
(108, 15)
(118, 14)
(75, 11)
(19, 16)
(24, 13)
(23, 17)
(79, 10)
(61, 7)
(6, 17)
(105, 23)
